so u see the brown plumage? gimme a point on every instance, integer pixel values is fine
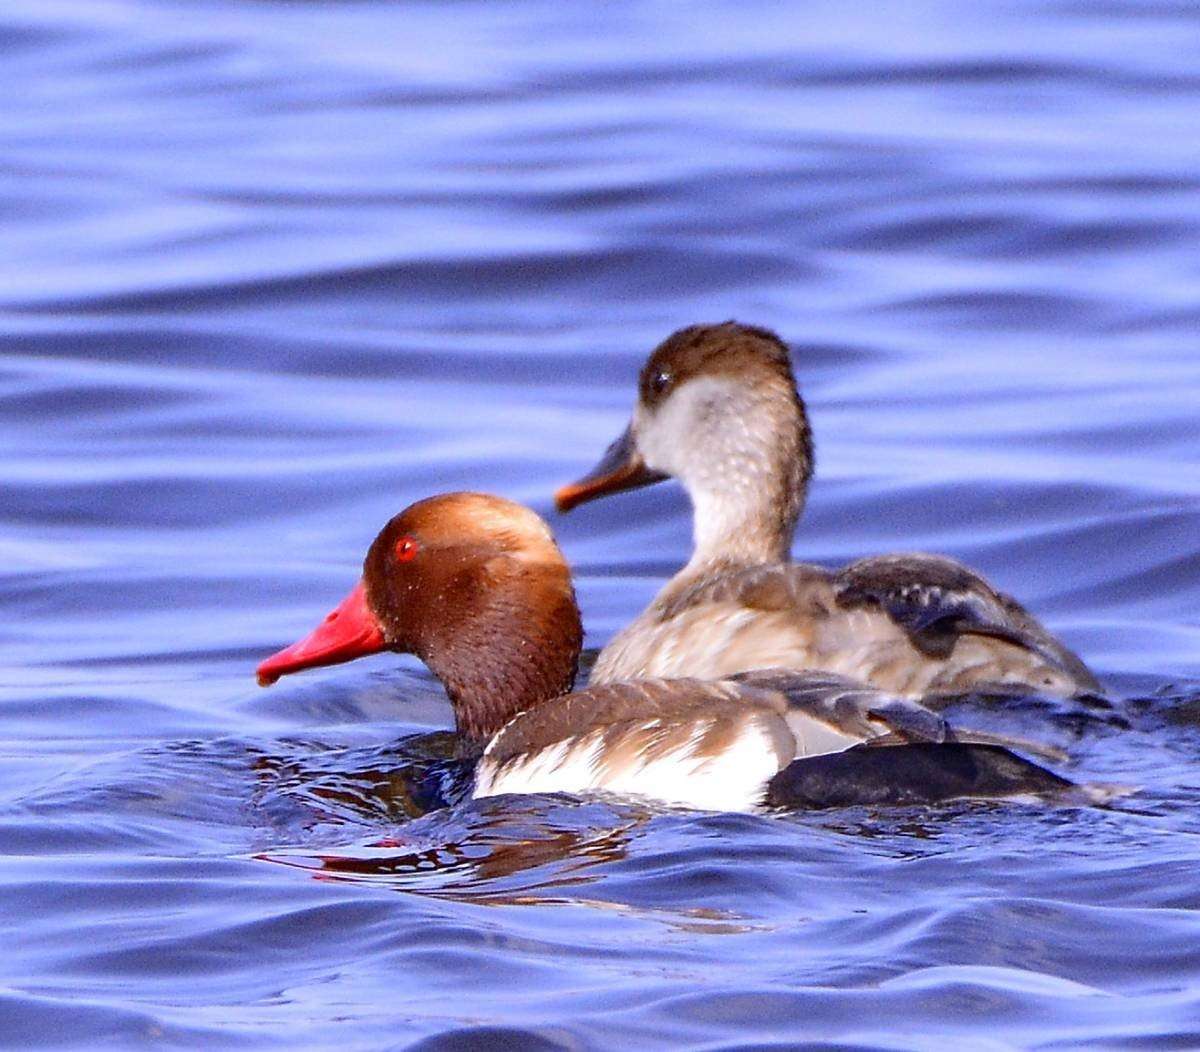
(909, 636)
(487, 604)
(701, 744)
(718, 409)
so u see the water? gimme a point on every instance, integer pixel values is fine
(270, 271)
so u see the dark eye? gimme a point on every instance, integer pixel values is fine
(660, 381)
(406, 549)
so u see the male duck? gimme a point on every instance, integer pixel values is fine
(476, 587)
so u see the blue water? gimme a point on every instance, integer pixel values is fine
(270, 271)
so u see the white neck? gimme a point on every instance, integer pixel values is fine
(733, 527)
(736, 449)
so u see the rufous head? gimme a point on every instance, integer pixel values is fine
(476, 587)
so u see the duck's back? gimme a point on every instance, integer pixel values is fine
(910, 624)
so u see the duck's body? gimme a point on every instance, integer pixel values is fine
(710, 745)
(718, 408)
(916, 625)
(476, 587)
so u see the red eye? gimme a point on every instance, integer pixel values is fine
(406, 549)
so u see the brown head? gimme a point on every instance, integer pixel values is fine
(474, 586)
(717, 409)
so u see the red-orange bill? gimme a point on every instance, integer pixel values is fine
(350, 631)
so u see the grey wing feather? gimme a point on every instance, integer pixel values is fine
(848, 706)
(935, 600)
(879, 718)
(932, 598)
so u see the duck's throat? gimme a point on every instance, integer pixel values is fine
(741, 527)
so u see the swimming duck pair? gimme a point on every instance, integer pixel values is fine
(748, 672)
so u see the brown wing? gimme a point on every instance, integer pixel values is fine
(690, 743)
(712, 745)
(821, 711)
(651, 715)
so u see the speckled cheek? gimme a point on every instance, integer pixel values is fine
(682, 435)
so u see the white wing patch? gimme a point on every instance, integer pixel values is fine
(732, 779)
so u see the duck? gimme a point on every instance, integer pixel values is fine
(477, 588)
(719, 410)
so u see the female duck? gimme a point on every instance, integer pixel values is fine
(718, 409)
(476, 587)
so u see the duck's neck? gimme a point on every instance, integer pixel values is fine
(724, 532)
(749, 521)
(749, 486)
(506, 661)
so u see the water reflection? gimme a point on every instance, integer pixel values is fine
(405, 779)
(472, 852)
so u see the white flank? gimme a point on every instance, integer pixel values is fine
(733, 780)
(565, 767)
